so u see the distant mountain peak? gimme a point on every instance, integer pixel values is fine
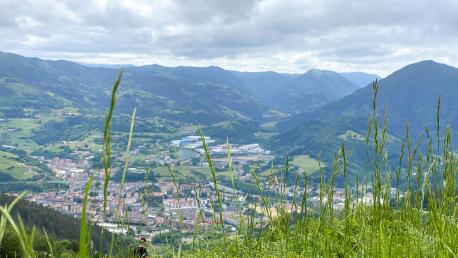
(427, 69)
(320, 72)
(425, 64)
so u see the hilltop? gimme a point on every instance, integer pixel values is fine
(409, 94)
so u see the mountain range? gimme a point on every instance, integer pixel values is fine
(297, 93)
(183, 93)
(210, 96)
(301, 113)
(204, 94)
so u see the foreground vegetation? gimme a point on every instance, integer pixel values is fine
(50, 226)
(418, 219)
(412, 211)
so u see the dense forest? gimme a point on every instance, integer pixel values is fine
(62, 230)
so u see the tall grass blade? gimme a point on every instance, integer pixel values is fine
(84, 236)
(107, 139)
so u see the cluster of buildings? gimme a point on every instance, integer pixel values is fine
(192, 142)
(171, 206)
(166, 205)
(179, 207)
(235, 149)
(66, 168)
(130, 207)
(241, 154)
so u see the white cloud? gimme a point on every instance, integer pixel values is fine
(289, 36)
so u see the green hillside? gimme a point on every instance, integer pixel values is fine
(312, 90)
(264, 85)
(206, 95)
(409, 94)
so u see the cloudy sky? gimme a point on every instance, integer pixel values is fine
(287, 36)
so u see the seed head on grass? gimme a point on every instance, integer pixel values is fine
(107, 139)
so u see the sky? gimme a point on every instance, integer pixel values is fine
(375, 36)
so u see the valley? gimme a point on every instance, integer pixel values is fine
(261, 142)
(45, 121)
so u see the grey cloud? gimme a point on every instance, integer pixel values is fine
(376, 36)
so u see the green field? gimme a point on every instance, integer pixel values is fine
(16, 169)
(163, 172)
(306, 164)
(18, 131)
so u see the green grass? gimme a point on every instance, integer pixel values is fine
(303, 163)
(269, 125)
(265, 136)
(22, 137)
(306, 164)
(20, 89)
(17, 169)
